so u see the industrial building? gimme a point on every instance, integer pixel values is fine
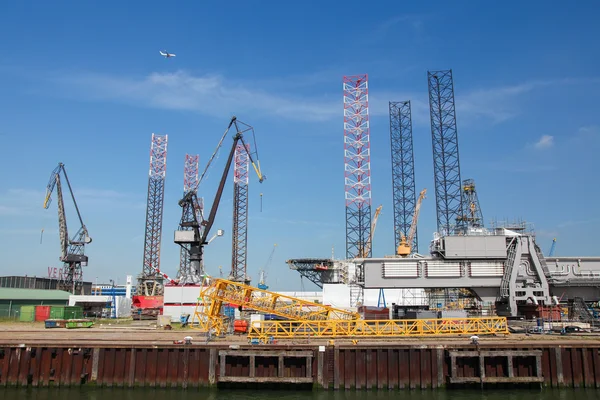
(35, 282)
(12, 299)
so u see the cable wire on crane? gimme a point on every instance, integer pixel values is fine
(234, 121)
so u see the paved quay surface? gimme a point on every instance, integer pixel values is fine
(146, 334)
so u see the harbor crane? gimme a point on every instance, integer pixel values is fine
(262, 274)
(197, 237)
(72, 251)
(552, 248)
(367, 249)
(404, 248)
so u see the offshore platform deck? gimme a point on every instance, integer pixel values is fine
(501, 266)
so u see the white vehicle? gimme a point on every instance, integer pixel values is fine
(166, 54)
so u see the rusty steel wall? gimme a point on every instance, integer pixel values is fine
(386, 368)
(120, 367)
(339, 367)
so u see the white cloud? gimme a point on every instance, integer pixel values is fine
(8, 210)
(520, 167)
(547, 233)
(297, 222)
(588, 132)
(571, 223)
(218, 96)
(28, 231)
(545, 142)
(208, 94)
(499, 104)
(21, 202)
(29, 202)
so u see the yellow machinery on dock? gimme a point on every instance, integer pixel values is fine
(218, 291)
(265, 330)
(308, 319)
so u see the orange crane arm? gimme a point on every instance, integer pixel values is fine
(413, 225)
(405, 246)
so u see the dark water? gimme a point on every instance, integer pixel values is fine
(176, 394)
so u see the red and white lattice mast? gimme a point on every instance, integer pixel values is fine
(357, 172)
(150, 280)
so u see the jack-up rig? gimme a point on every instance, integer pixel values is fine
(150, 281)
(500, 268)
(148, 298)
(72, 250)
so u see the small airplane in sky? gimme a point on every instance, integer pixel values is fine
(166, 54)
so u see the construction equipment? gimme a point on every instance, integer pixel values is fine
(404, 248)
(302, 318)
(239, 232)
(367, 249)
(551, 252)
(149, 281)
(472, 216)
(403, 169)
(267, 330)
(72, 252)
(219, 291)
(185, 275)
(263, 272)
(196, 238)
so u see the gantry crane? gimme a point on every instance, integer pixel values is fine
(404, 248)
(196, 238)
(72, 251)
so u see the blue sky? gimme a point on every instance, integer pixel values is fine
(83, 84)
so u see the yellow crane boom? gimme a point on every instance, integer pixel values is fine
(405, 246)
(219, 291)
(367, 249)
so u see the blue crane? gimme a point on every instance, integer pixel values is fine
(551, 252)
(263, 274)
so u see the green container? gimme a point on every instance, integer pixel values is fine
(27, 314)
(66, 312)
(79, 323)
(73, 312)
(57, 312)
